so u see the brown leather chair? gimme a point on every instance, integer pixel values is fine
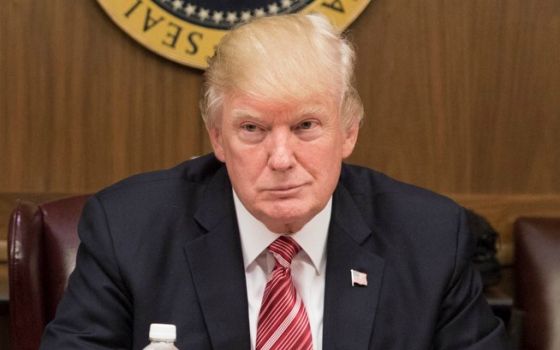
(42, 242)
(537, 281)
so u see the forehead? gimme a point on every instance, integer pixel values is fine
(245, 105)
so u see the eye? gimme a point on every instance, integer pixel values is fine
(308, 130)
(249, 127)
(251, 133)
(307, 125)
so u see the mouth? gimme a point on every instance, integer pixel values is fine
(285, 190)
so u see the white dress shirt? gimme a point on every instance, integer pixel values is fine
(308, 266)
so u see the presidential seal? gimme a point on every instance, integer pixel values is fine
(187, 31)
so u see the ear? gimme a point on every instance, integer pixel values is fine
(350, 139)
(216, 139)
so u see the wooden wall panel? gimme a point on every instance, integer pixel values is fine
(82, 105)
(460, 96)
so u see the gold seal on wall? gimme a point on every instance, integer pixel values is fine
(187, 31)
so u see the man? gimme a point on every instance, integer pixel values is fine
(363, 262)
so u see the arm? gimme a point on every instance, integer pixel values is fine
(95, 312)
(466, 321)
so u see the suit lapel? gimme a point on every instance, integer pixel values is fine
(349, 312)
(216, 264)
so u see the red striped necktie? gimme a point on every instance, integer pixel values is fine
(283, 322)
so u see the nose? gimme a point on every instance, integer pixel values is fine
(281, 151)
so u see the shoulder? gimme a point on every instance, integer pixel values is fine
(189, 175)
(197, 172)
(403, 216)
(150, 208)
(161, 194)
(409, 224)
(389, 195)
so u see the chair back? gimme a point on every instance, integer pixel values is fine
(42, 246)
(537, 281)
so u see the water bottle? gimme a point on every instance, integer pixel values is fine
(162, 337)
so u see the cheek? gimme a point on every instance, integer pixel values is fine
(321, 156)
(245, 163)
(324, 166)
(325, 163)
(242, 180)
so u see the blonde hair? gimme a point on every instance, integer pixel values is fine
(287, 57)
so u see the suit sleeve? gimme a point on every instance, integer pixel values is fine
(95, 312)
(466, 321)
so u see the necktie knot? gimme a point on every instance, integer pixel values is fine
(284, 249)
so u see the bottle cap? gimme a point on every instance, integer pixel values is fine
(165, 332)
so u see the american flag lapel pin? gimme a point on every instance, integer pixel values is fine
(359, 279)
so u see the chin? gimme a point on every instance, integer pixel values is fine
(280, 219)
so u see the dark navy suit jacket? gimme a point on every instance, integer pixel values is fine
(164, 247)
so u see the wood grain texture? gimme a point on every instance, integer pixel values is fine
(462, 96)
(82, 105)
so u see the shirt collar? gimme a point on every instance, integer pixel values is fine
(256, 237)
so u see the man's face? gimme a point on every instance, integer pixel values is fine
(283, 159)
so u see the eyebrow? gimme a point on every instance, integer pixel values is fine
(305, 110)
(311, 109)
(243, 113)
